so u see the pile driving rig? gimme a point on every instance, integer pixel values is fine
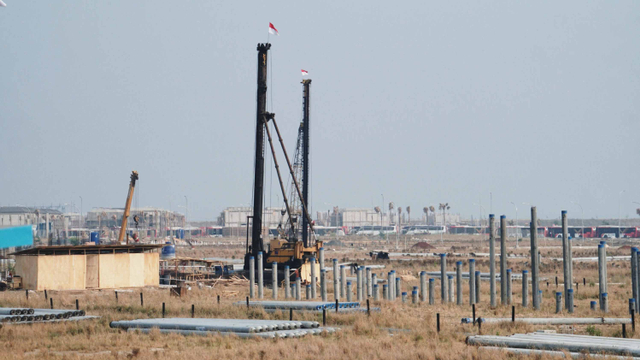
(287, 249)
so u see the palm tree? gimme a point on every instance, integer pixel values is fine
(391, 211)
(444, 207)
(409, 214)
(425, 210)
(378, 211)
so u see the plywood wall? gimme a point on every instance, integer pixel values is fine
(93, 271)
(152, 269)
(27, 268)
(136, 270)
(108, 271)
(61, 272)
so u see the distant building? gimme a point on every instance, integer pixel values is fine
(150, 218)
(234, 217)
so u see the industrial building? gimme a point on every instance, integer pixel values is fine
(233, 217)
(88, 267)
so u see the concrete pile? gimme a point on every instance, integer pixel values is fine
(544, 343)
(239, 327)
(306, 305)
(22, 316)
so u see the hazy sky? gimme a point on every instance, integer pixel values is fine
(424, 102)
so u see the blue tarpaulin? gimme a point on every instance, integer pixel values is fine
(16, 236)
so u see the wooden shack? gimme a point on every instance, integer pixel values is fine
(88, 267)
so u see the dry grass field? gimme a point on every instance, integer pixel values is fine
(398, 331)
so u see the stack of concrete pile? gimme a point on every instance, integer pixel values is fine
(305, 305)
(551, 344)
(238, 327)
(20, 315)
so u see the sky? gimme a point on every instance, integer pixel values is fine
(479, 104)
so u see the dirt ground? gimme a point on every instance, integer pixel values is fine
(398, 331)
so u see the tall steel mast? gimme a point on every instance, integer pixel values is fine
(305, 159)
(258, 181)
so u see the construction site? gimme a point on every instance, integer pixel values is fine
(276, 281)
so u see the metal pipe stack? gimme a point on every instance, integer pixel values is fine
(238, 327)
(578, 344)
(398, 286)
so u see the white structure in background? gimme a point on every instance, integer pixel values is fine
(150, 218)
(233, 217)
(38, 217)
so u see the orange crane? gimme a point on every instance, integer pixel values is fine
(127, 207)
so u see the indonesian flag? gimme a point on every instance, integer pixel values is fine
(305, 72)
(272, 29)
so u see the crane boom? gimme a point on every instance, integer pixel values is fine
(127, 207)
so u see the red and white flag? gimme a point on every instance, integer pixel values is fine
(273, 30)
(305, 72)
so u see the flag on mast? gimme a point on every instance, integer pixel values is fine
(305, 72)
(272, 29)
